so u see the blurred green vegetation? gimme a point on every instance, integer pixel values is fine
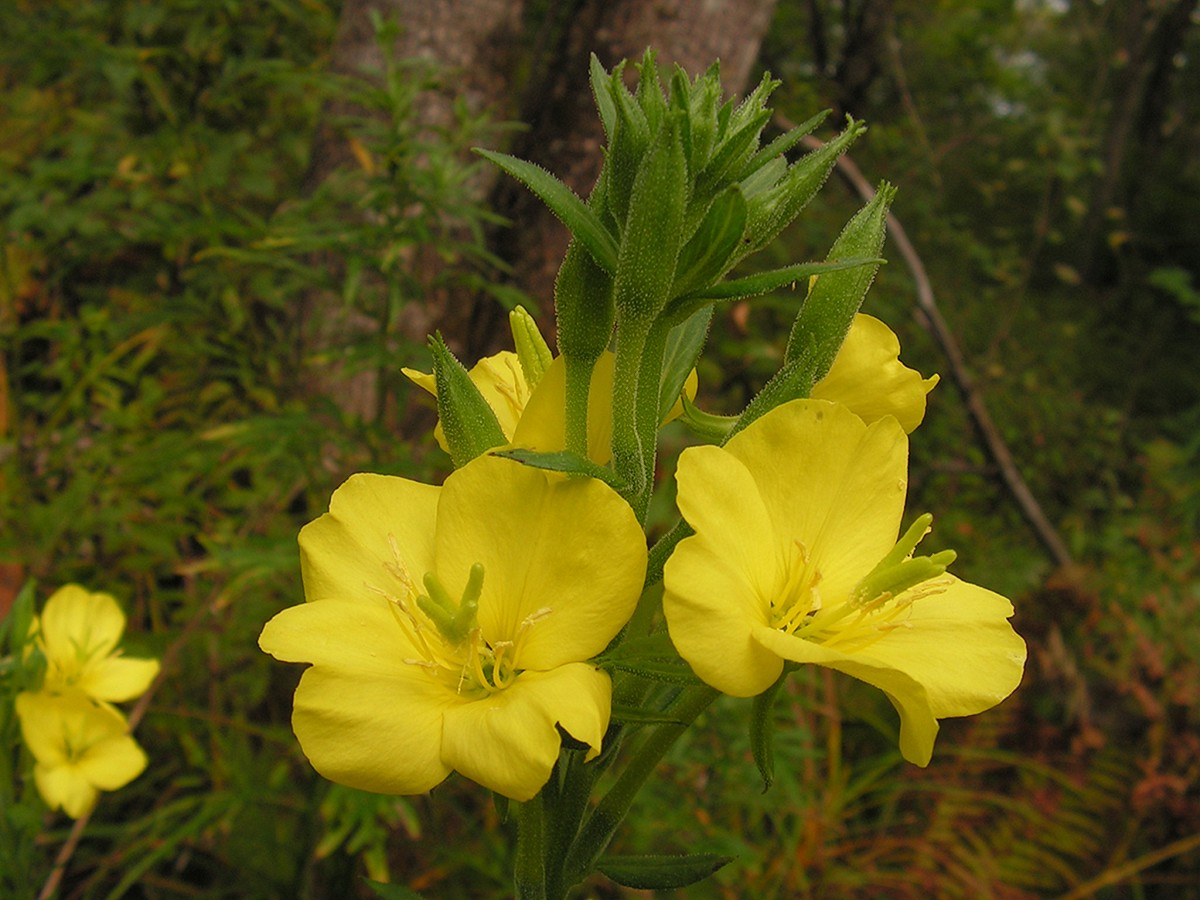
(159, 441)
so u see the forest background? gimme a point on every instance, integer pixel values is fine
(227, 224)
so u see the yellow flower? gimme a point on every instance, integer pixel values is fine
(448, 627)
(78, 633)
(868, 377)
(536, 419)
(795, 558)
(79, 748)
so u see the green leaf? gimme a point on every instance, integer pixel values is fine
(635, 715)
(667, 670)
(15, 626)
(562, 461)
(782, 144)
(762, 730)
(731, 154)
(584, 224)
(392, 891)
(469, 423)
(651, 873)
(602, 91)
(684, 344)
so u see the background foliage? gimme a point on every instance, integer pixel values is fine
(159, 438)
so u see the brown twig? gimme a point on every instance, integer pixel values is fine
(931, 318)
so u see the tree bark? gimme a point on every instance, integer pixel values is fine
(534, 70)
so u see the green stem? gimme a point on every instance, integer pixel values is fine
(529, 877)
(598, 831)
(565, 817)
(647, 418)
(662, 550)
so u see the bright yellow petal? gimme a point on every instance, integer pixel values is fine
(830, 482)
(376, 526)
(365, 717)
(690, 385)
(41, 727)
(959, 645)
(566, 556)
(718, 583)
(501, 381)
(117, 679)
(918, 724)
(508, 742)
(112, 763)
(868, 377)
(78, 626)
(543, 424)
(65, 788)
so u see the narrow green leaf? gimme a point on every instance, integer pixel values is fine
(562, 461)
(666, 670)
(649, 91)
(634, 715)
(731, 154)
(657, 873)
(762, 282)
(584, 224)
(684, 343)
(783, 144)
(392, 891)
(762, 730)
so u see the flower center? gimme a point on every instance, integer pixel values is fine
(879, 602)
(447, 636)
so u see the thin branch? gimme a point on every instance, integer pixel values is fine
(931, 318)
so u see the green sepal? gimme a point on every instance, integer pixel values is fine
(652, 873)
(650, 242)
(706, 426)
(583, 224)
(782, 144)
(773, 210)
(532, 350)
(762, 283)
(710, 252)
(762, 730)
(469, 424)
(684, 343)
(601, 91)
(825, 318)
(626, 148)
(392, 891)
(562, 461)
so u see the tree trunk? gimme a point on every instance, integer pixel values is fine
(488, 43)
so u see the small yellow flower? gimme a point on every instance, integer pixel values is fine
(448, 628)
(80, 748)
(795, 558)
(536, 419)
(78, 633)
(868, 377)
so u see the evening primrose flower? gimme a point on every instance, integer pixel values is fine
(78, 633)
(868, 377)
(79, 748)
(795, 559)
(448, 628)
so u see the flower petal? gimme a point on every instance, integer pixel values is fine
(65, 788)
(543, 424)
(113, 763)
(868, 377)
(364, 717)
(718, 582)
(566, 555)
(349, 547)
(116, 679)
(509, 742)
(918, 725)
(830, 482)
(77, 626)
